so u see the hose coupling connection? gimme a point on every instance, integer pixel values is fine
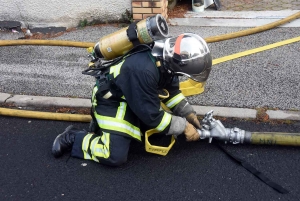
(214, 129)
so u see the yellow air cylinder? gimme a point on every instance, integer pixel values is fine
(117, 43)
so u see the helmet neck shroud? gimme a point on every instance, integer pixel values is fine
(166, 74)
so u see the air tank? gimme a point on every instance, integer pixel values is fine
(117, 44)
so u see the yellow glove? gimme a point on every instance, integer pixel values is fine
(191, 133)
(192, 118)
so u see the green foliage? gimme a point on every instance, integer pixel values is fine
(83, 23)
(127, 17)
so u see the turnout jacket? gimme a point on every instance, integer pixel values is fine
(134, 98)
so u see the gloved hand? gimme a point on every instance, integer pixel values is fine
(192, 118)
(184, 109)
(191, 133)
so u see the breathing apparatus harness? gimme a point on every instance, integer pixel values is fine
(99, 68)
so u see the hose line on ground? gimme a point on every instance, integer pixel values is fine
(45, 115)
(260, 138)
(213, 129)
(208, 40)
(46, 43)
(252, 30)
(275, 138)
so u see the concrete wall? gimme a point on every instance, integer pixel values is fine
(43, 13)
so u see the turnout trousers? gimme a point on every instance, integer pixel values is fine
(105, 148)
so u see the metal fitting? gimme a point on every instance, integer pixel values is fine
(214, 129)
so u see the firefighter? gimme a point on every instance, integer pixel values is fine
(132, 99)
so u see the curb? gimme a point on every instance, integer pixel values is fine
(44, 101)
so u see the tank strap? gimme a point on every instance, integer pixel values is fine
(132, 34)
(104, 85)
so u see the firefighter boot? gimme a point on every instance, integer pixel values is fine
(64, 141)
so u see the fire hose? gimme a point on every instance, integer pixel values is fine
(214, 129)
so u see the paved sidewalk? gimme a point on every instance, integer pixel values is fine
(236, 13)
(235, 18)
(259, 5)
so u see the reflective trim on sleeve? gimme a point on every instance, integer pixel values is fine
(85, 146)
(164, 122)
(121, 110)
(120, 125)
(175, 100)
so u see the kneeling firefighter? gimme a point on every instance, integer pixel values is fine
(125, 98)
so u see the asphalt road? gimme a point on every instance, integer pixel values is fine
(267, 79)
(191, 171)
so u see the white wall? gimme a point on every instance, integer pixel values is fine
(67, 13)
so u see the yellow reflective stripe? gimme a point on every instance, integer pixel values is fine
(94, 141)
(116, 69)
(112, 69)
(164, 122)
(120, 125)
(121, 110)
(102, 150)
(94, 101)
(123, 97)
(85, 146)
(95, 159)
(93, 144)
(175, 100)
(164, 107)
